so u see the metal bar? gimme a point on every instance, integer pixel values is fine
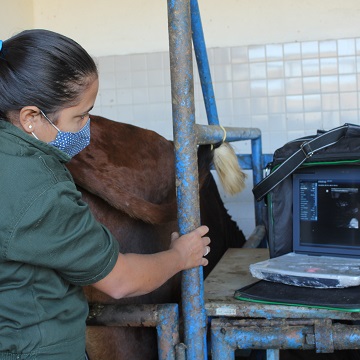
(203, 64)
(267, 311)
(211, 109)
(255, 337)
(212, 134)
(246, 160)
(272, 354)
(272, 335)
(220, 348)
(168, 331)
(122, 315)
(346, 336)
(256, 153)
(180, 352)
(183, 112)
(162, 316)
(267, 158)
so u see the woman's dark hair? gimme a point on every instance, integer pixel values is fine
(44, 69)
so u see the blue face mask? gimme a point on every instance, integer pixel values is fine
(71, 143)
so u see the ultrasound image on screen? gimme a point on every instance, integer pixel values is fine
(329, 213)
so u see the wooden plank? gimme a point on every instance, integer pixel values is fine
(232, 273)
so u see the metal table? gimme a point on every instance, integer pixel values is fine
(239, 324)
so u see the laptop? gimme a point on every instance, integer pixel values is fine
(326, 231)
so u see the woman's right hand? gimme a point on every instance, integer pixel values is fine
(192, 247)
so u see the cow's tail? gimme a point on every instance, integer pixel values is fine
(226, 164)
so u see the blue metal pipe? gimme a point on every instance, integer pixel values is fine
(210, 103)
(212, 134)
(246, 161)
(256, 153)
(183, 112)
(272, 354)
(168, 331)
(225, 340)
(220, 348)
(203, 64)
(305, 334)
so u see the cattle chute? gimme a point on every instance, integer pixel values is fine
(184, 26)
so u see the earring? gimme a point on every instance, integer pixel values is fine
(30, 126)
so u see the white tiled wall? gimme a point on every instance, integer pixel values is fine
(287, 90)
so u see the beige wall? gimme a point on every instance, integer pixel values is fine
(16, 15)
(112, 27)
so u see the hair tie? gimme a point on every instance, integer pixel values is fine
(1, 45)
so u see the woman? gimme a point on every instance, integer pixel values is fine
(50, 244)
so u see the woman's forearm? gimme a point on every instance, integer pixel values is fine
(137, 274)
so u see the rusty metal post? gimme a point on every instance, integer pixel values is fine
(227, 336)
(183, 111)
(168, 331)
(275, 334)
(162, 316)
(212, 134)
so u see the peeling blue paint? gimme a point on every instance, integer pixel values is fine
(182, 89)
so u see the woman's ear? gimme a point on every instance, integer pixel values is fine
(28, 118)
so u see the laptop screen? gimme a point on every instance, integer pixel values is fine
(326, 211)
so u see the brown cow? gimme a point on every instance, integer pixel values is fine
(127, 176)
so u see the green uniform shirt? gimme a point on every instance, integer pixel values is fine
(50, 246)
